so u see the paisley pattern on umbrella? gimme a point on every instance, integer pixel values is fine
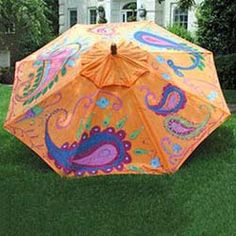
(72, 106)
(183, 128)
(48, 65)
(103, 30)
(158, 41)
(173, 99)
(98, 150)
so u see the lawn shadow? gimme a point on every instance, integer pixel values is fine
(15, 153)
(149, 199)
(215, 146)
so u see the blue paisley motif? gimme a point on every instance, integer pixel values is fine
(173, 99)
(161, 42)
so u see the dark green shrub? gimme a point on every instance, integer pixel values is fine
(181, 32)
(7, 75)
(217, 26)
(226, 68)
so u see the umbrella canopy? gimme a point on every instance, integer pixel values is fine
(116, 99)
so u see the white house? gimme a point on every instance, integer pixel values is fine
(85, 12)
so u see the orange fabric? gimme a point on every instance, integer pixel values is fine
(144, 110)
(104, 69)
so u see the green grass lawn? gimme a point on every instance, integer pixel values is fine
(200, 199)
(230, 96)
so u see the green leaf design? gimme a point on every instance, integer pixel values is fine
(31, 75)
(135, 168)
(140, 151)
(201, 67)
(80, 130)
(40, 69)
(50, 84)
(193, 59)
(89, 122)
(38, 78)
(30, 100)
(56, 78)
(107, 120)
(120, 124)
(136, 133)
(37, 96)
(37, 110)
(35, 86)
(63, 71)
(25, 94)
(26, 87)
(44, 90)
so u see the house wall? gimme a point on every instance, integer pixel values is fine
(168, 14)
(4, 58)
(160, 13)
(150, 6)
(82, 12)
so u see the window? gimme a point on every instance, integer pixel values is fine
(92, 16)
(10, 28)
(73, 17)
(180, 17)
(129, 12)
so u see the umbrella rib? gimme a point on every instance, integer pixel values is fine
(151, 135)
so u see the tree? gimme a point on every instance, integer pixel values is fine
(186, 4)
(24, 26)
(217, 26)
(52, 14)
(183, 4)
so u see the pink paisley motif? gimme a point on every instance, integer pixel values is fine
(103, 30)
(50, 64)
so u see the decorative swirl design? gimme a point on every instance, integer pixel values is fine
(116, 105)
(174, 151)
(104, 30)
(37, 110)
(98, 150)
(64, 122)
(184, 129)
(157, 41)
(48, 65)
(173, 99)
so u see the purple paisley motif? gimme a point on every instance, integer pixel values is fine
(173, 99)
(185, 129)
(98, 150)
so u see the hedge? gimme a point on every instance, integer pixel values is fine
(226, 68)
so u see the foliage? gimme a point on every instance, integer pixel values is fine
(132, 18)
(186, 4)
(226, 68)
(6, 75)
(133, 7)
(217, 26)
(32, 28)
(52, 14)
(181, 32)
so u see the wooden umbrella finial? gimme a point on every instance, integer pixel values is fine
(113, 49)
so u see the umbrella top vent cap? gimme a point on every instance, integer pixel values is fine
(113, 49)
(119, 65)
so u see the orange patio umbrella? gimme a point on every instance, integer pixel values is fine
(116, 99)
